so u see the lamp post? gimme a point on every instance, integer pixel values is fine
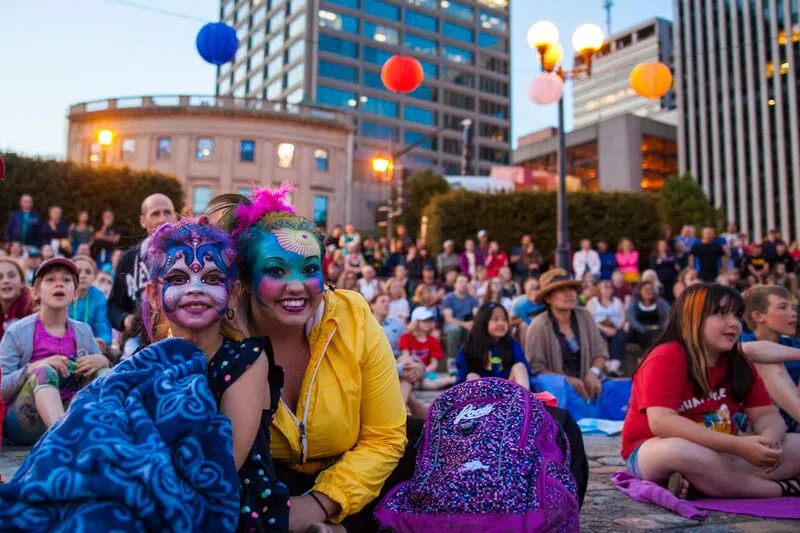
(383, 168)
(104, 139)
(543, 37)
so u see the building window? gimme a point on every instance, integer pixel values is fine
(285, 155)
(429, 69)
(492, 22)
(494, 110)
(451, 146)
(164, 148)
(295, 97)
(337, 21)
(320, 210)
(425, 140)
(382, 9)
(334, 45)
(380, 107)
(378, 131)
(455, 9)
(297, 26)
(459, 55)
(335, 97)
(274, 89)
(496, 133)
(373, 80)
(419, 115)
(460, 100)
(381, 34)
(374, 55)
(456, 31)
(352, 4)
(296, 5)
(423, 22)
(247, 192)
(204, 148)
(95, 151)
(294, 76)
(424, 92)
(420, 44)
(337, 71)
(128, 149)
(458, 77)
(493, 155)
(492, 86)
(295, 51)
(321, 159)
(247, 151)
(430, 4)
(200, 198)
(493, 63)
(492, 42)
(275, 66)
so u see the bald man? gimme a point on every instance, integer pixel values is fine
(131, 275)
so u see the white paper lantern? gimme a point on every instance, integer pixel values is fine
(546, 88)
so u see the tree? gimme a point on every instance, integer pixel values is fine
(684, 202)
(422, 187)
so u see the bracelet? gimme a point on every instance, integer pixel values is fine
(316, 499)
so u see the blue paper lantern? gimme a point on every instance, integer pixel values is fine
(217, 43)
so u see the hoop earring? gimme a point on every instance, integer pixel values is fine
(229, 314)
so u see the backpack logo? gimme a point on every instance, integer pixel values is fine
(471, 413)
(473, 465)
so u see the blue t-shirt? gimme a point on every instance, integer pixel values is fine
(496, 368)
(462, 307)
(792, 368)
(526, 310)
(608, 264)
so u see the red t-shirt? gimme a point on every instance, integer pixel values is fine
(494, 263)
(422, 350)
(663, 381)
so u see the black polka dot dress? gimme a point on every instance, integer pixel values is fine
(264, 499)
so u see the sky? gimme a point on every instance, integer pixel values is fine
(57, 53)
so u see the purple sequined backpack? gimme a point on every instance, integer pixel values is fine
(492, 460)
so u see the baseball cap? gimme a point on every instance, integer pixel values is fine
(421, 314)
(50, 264)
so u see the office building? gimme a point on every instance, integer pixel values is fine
(737, 70)
(217, 145)
(622, 153)
(330, 52)
(607, 93)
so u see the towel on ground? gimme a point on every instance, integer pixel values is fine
(142, 448)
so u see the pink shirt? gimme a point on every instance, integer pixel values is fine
(627, 262)
(45, 344)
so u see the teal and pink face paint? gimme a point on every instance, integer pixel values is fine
(286, 270)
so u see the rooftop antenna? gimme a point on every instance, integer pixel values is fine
(608, 5)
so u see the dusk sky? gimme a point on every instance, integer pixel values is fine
(57, 53)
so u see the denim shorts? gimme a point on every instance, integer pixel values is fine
(633, 462)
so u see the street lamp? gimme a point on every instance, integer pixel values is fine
(383, 168)
(104, 139)
(543, 37)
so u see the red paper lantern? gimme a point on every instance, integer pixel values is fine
(401, 74)
(2, 168)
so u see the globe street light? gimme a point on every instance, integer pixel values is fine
(548, 87)
(104, 139)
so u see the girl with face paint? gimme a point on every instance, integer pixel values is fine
(193, 286)
(339, 430)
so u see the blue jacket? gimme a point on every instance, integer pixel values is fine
(13, 231)
(93, 310)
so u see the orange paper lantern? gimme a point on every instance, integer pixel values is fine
(401, 74)
(651, 80)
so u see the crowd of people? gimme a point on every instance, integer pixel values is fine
(74, 307)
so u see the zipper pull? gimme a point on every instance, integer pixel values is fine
(302, 443)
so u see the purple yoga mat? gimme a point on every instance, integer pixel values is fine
(649, 492)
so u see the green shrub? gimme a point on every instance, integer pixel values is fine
(609, 216)
(76, 187)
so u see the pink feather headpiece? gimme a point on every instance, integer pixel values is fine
(265, 200)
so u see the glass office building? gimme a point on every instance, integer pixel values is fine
(330, 52)
(737, 80)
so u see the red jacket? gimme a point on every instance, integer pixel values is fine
(494, 263)
(21, 308)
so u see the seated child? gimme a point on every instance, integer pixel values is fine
(489, 350)
(771, 316)
(90, 306)
(47, 357)
(680, 428)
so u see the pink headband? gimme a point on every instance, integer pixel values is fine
(264, 201)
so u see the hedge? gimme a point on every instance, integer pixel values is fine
(76, 187)
(609, 216)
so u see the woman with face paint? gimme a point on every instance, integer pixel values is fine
(339, 430)
(193, 285)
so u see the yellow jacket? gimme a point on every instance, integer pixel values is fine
(350, 420)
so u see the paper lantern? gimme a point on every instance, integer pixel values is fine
(546, 88)
(217, 43)
(2, 168)
(401, 74)
(651, 80)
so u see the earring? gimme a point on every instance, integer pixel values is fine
(229, 313)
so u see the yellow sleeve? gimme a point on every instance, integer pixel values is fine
(357, 478)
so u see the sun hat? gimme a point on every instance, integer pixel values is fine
(421, 314)
(554, 279)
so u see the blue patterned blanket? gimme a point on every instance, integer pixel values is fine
(142, 448)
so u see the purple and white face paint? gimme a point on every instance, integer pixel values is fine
(195, 286)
